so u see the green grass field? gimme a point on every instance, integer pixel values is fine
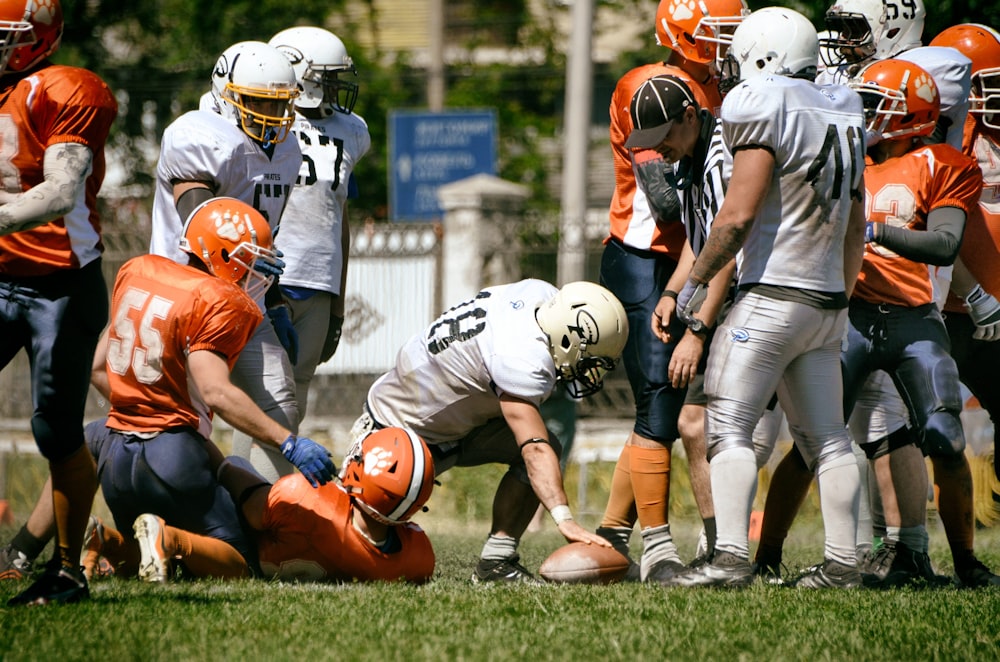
(452, 619)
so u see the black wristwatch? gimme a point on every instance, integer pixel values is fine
(698, 327)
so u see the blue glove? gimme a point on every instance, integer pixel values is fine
(287, 335)
(869, 232)
(268, 268)
(310, 458)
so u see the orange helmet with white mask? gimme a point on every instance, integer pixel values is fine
(981, 44)
(31, 31)
(697, 28)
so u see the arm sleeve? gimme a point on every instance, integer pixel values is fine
(938, 245)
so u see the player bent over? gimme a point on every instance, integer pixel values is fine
(357, 529)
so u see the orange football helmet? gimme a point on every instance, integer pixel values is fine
(30, 31)
(696, 28)
(981, 44)
(228, 236)
(390, 474)
(901, 99)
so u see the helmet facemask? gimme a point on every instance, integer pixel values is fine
(851, 40)
(266, 115)
(985, 97)
(337, 94)
(16, 34)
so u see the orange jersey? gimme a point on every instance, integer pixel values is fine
(902, 192)
(162, 311)
(53, 105)
(309, 536)
(623, 215)
(981, 244)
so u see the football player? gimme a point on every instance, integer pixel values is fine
(471, 385)
(56, 120)
(641, 252)
(237, 145)
(315, 237)
(356, 529)
(164, 365)
(793, 210)
(866, 32)
(973, 315)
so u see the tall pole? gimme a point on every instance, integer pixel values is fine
(579, 93)
(435, 51)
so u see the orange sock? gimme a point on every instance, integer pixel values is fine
(620, 511)
(204, 556)
(650, 468)
(74, 483)
(953, 478)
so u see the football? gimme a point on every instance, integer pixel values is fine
(580, 563)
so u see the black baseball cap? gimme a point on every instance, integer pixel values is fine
(655, 105)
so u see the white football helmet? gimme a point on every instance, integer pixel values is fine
(320, 60)
(773, 40)
(254, 84)
(587, 329)
(873, 29)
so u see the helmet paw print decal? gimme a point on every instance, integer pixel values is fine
(682, 10)
(229, 227)
(377, 460)
(925, 88)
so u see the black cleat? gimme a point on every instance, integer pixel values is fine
(503, 571)
(973, 573)
(664, 571)
(58, 584)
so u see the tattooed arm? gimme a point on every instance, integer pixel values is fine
(66, 167)
(748, 186)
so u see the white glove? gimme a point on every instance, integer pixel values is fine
(985, 312)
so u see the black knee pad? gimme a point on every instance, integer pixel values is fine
(943, 434)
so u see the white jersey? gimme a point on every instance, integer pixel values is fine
(204, 146)
(311, 225)
(952, 73)
(448, 380)
(816, 134)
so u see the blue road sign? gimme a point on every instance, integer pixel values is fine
(427, 150)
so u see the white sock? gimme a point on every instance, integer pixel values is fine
(839, 492)
(734, 482)
(498, 548)
(657, 545)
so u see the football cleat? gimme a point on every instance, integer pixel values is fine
(725, 570)
(973, 573)
(894, 564)
(830, 574)
(663, 571)
(154, 564)
(768, 567)
(92, 561)
(14, 564)
(59, 584)
(504, 571)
